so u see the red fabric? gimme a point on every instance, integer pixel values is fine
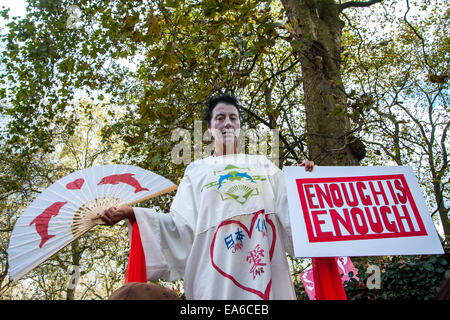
(327, 280)
(136, 271)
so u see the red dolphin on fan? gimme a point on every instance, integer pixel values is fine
(42, 220)
(124, 178)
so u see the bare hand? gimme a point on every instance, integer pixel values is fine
(113, 215)
(309, 165)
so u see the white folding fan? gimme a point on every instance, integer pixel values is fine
(72, 205)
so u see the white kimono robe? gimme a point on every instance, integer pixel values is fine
(227, 232)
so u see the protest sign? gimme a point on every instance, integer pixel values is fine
(358, 211)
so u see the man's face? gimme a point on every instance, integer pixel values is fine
(225, 124)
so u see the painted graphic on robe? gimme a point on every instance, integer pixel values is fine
(235, 184)
(242, 250)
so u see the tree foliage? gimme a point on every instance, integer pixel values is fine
(344, 82)
(402, 278)
(101, 254)
(399, 94)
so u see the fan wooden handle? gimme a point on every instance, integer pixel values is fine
(169, 189)
(98, 220)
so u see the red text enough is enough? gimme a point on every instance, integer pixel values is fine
(356, 208)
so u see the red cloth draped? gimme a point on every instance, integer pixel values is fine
(327, 280)
(136, 270)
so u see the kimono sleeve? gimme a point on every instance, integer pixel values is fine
(166, 246)
(282, 209)
(167, 238)
(184, 208)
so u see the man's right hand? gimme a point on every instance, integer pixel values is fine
(113, 215)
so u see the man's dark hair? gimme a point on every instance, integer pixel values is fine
(214, 101)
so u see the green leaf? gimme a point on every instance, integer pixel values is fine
(337, 111)
(428, 266)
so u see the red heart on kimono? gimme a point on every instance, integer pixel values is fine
(264, 294)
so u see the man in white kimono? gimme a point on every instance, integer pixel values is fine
(228, 231)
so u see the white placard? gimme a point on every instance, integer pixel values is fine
(358, 211)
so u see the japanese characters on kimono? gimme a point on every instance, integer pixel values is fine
(227, 233)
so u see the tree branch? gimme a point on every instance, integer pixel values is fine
(418, 35)
(356, 4)
(267, 124)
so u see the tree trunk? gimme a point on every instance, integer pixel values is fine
(443, 211)
(76, 256)
(316, 29)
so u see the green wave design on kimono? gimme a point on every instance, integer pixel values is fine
(234, 183)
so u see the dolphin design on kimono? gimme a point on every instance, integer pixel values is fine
(222, 178)
(244, 175)
(234, 176)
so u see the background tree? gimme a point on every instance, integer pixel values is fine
(399, 94)
(316, 29)
(100, 255)
(340, 80)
